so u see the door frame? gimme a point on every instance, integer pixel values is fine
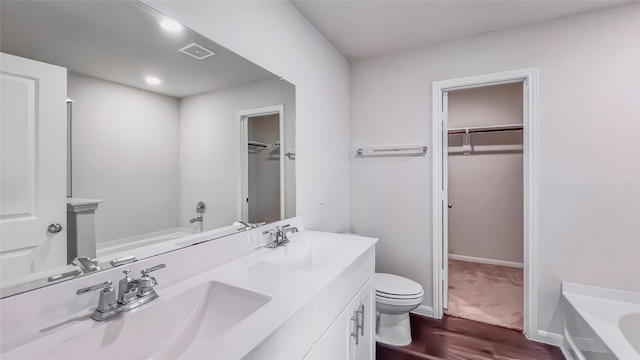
(529, 78)
(243, 161)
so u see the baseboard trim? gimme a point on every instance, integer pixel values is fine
(542, 336)
(486, 261)
(548, 338)
(424, 311)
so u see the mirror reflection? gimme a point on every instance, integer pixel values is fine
(123, 133)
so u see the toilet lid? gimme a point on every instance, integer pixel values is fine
(396, 285)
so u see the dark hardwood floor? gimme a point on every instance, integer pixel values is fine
(455, 338)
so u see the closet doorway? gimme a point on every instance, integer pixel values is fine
(485, 201)
(485, 205)
(262, 166)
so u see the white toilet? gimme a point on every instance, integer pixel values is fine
(395, 298)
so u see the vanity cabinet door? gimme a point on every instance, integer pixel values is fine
(352, 335)
(338, 343)
(367, 342)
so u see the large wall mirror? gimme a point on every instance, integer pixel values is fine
(123, 133)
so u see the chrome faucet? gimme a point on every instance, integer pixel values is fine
(132, 293)
(86, 264)
(278, 235)
(201, 208)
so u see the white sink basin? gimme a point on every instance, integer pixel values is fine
(305, 252)
(165, 328)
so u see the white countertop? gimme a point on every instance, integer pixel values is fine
(83, 201)
(290, 289)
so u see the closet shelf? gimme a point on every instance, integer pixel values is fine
(485, 129)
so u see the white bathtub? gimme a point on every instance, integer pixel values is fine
(600, 323)
(134, 242)
(145, 245)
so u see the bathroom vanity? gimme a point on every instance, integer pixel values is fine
(229, 298)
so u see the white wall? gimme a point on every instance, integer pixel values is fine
(485, 187)
(125, 151)
(589, 180)
(210, 147)
(264, 170)
(274, 35)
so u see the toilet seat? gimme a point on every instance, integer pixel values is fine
(399, 302)
(390, 286)
(399, 296)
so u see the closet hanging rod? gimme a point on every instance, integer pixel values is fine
(257, 144)
(393, 150)
(485, 129)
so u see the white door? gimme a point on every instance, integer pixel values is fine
(33, 166)
(445, 200)
(243, 136)
(244, 168)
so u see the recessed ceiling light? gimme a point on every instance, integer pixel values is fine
(152, 80)
(171, 25)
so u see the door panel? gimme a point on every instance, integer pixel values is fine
(33, 165)
(445, 200)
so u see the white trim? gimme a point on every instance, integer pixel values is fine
(486, 261)
(424, 311)
(548, 338)
(242, 161)
(566, 353)
(529, 77)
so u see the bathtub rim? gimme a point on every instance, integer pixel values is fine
(573, 294)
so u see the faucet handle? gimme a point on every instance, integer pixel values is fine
(86, 264)
(122, 261)
(157, 267)
(107, 296)
(86, 259)
(270, 231)
(106, 284)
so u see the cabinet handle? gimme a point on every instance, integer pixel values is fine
(355, 334)
(360, 314)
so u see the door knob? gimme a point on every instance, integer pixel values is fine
(54, 228)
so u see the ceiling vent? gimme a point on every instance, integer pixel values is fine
(197, 51)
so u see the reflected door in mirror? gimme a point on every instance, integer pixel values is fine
(33, 160)
(264, 169)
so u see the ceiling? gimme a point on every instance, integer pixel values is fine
(364, 28)
(119, 41)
